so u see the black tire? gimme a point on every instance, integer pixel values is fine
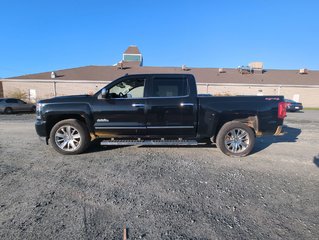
(8, 110)
(34, 108)
(70, 132)
(235, 139)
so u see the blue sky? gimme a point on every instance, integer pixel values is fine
(38, 36)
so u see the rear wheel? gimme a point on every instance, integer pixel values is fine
(235, 139)
(69, 137)
(8, 110)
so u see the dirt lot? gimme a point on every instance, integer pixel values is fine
(160, 193)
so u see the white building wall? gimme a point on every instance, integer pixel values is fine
(47, 88)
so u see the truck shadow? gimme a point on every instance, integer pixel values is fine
(316, 160)
(291, 135)
(96, 147)
(202, 145)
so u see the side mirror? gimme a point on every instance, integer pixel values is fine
(104, 93)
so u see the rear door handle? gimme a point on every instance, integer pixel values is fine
(138, 105)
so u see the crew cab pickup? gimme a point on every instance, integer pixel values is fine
(158, 109)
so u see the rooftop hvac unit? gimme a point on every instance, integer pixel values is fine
(221, 70)
(256, 67)
(303, 71)
(53, 75)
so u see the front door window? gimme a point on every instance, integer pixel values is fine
(129, 88)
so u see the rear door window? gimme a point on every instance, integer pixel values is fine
(169, 87)
(21, 102)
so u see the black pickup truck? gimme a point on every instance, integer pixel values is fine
(158, 109)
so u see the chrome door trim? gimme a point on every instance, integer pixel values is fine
(169, 127)
(151, 127)
(120, 128)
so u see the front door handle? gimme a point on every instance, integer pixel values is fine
(187, 104)
(138, 105)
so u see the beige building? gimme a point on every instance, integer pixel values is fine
(301, 85)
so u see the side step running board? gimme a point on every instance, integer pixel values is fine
(150, 142)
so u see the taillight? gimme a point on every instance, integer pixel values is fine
(282, 110)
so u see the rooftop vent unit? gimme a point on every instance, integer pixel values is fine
(120, 65)
(53, 75)
(185, 68)
(221, 70)
(303, 71)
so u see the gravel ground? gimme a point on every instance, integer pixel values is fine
(160, 192)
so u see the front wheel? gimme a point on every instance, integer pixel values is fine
(8, 110)
(69, 137)
(235, 139)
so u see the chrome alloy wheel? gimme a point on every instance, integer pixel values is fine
(67, 138)
(236, 140)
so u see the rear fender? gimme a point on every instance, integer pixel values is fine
(250, 121)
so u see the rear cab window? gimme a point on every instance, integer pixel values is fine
(169, 87)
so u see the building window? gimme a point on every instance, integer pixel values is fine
(131, 57)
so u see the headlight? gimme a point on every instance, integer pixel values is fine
(39, 110)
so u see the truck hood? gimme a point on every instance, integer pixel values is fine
(68, 99)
